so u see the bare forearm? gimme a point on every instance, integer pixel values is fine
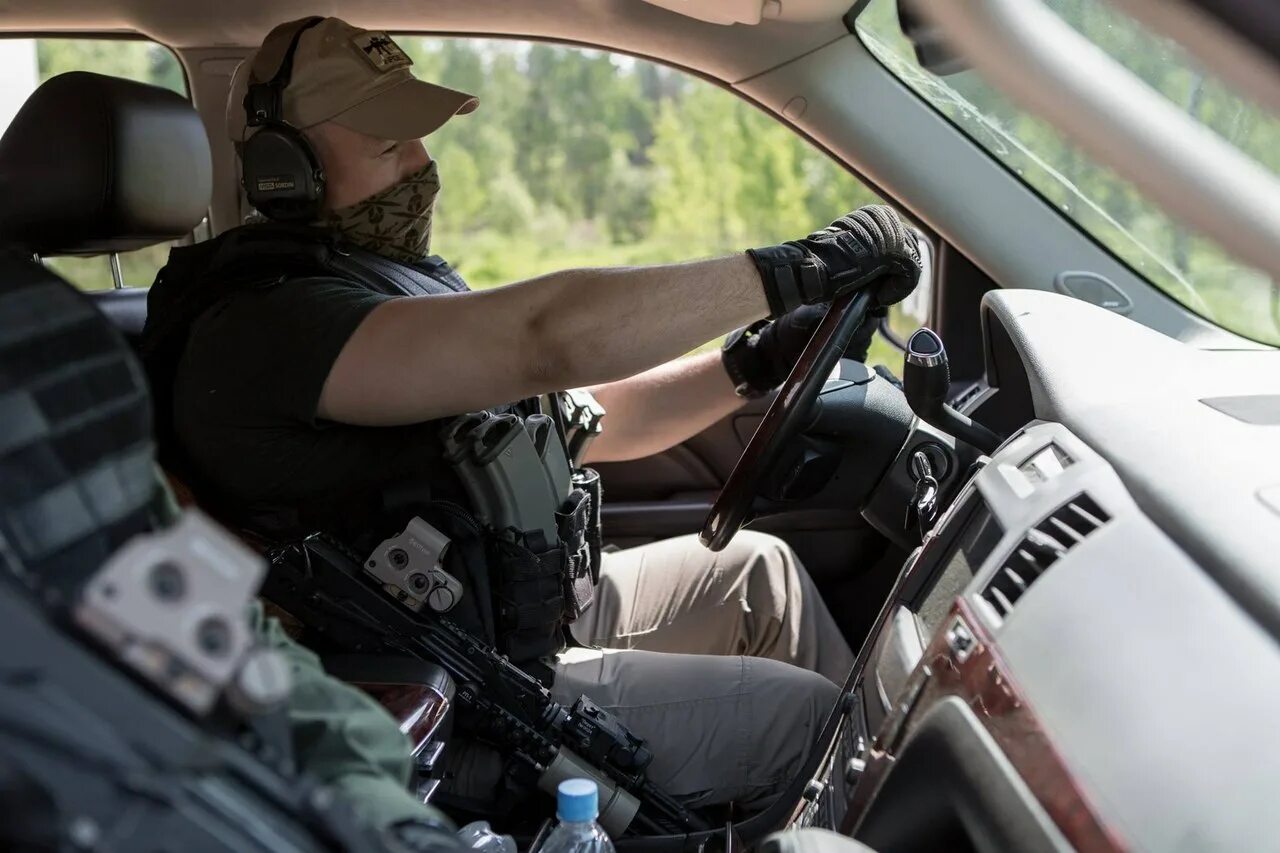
(597, 326)
(427, 357)
(662, 407)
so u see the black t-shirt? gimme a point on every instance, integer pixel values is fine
(245, 400)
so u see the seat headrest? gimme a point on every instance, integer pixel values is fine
(77, 461)
(94, 164)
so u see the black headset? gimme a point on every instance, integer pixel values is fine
(282, 175)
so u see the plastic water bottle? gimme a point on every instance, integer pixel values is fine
(577, 807)
(480, 836)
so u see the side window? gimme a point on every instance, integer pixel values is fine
(584, 158)
(26, 63)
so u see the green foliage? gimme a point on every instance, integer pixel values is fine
(137, 268)
(133, 59)
(1188, 267)
(576, 157)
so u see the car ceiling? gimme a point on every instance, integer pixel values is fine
(732, 53)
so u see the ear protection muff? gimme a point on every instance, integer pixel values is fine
(282, 175)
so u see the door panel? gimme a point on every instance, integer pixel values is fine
(670, 494)
(659, 478)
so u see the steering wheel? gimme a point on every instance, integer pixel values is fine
(786, 417)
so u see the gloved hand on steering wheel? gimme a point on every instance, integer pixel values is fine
(869, 247)
(759, 357)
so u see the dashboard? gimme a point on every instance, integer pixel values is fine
(1083, 651)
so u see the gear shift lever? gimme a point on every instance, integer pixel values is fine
(926, 381)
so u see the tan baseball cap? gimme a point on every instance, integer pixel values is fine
(357, 78)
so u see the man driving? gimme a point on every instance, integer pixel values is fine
(310, 363)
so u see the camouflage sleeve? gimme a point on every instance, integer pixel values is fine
(345, 739)
(341, 736)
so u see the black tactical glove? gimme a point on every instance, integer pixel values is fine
(870, 246)
(759, 357)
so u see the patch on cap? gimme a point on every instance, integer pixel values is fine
(380, 51)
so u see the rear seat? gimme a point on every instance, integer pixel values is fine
(126, 308)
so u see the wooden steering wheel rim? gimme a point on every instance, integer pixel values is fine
(785, 417)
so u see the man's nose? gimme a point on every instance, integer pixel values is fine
(415, 157)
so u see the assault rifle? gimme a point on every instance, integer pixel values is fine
(120, 732)
(321, 582)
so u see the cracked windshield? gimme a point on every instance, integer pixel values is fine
(583, 158)
(1186, 266)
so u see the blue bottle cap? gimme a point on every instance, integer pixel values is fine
(577, 800)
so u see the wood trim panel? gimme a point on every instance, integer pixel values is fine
(981, 678)
(417, 708)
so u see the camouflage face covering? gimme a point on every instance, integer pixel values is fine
(396, 222)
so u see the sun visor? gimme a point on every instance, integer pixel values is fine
(723, 11)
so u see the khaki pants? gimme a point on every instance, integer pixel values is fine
(725, 663)
(753, 598)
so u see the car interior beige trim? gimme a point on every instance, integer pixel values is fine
(727, 53)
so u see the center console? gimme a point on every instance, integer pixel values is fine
(936, 739)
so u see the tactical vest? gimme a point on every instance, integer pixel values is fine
(520, 587)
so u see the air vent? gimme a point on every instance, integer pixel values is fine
(1044, 545)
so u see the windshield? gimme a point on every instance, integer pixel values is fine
(1179, 261)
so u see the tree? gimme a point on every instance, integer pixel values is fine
(133, 59)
